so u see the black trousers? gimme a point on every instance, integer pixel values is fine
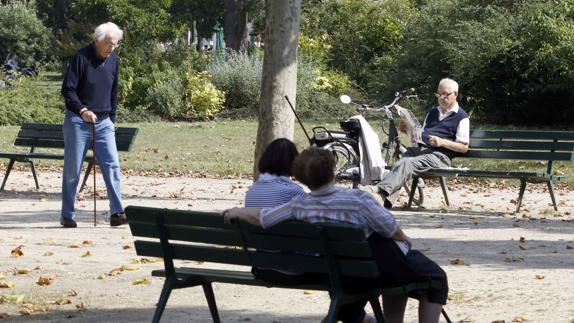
(396, 269)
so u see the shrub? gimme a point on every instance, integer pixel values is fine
(201, 99)
(28, 102)
(239, 76)
(332, 82)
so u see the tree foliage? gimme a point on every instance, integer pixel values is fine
(23, 34)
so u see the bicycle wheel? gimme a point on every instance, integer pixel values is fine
(391, 156)
(346, 162)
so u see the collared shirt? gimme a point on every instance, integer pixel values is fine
(334, 204)
(463, 130)
(271, 190)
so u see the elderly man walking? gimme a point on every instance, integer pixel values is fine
(90, 90)
(446, 132)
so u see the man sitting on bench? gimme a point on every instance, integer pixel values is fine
(445, 132)
(398, 264)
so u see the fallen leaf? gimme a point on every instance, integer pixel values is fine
(515, 225)
(5, 284)
(87, 254)
(38, 268)
(44, 281)
(569, 246)
(62, 301)
(143, 281)
(127, 247)
(31, 308)
(102, 276)
(81, 306)
(13, 298)
(309, 292)
(514, 259)
(17, 252)
(75, 246)
(539, 276)
(522, 247)
(48, 254)
(2, 275)
(22, 271)
(87, 242)
(72, 293)
(457, 261)
(520, 319)
(522, 239)
(499, 321)
(130, 267)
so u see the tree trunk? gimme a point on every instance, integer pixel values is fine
(235, 24)
(276, 120)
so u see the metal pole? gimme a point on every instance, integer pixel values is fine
(94, 165)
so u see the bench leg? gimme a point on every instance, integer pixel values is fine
(33, 168)
(521, 194)
(88, 170)
(165, 292)
(552, 196)
(208, 291)
(8, 170)
(333, 311)
(376, 305)
(444, 190)
(413, 191)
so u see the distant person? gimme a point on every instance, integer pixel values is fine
(274, 186)
(398, 263)
(90, 91)
(446, 132)
(13, 62)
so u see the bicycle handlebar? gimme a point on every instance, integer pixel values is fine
(363, 108)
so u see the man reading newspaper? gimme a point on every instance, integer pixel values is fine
(445, 132)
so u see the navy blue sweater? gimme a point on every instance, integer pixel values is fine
(92, 82)
(445, 128)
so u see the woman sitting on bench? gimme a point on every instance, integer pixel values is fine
(326, 202)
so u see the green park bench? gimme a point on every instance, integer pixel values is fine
(41, 135)
(337, 250)
(527, 145)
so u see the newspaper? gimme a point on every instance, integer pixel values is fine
(414, 128)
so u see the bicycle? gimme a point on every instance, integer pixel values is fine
(345, 144)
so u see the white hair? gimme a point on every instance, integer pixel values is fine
(450, 84)
(108, 28)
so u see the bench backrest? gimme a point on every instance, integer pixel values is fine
(520, 144)
(203, 236)
(43, 135)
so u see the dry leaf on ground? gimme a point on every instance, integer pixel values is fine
(514, 259)
(72, 293)
(143, 281)
(457, 261)
(44, 281)
(22, 271)
(87, 254)
(48, 254)
(87, 242)
(519, 319)
(62, 301)
(17, 252)
(75, 245)
(5, 284)
(126, 247)
(539, 276)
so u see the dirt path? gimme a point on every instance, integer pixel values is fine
(501, 266)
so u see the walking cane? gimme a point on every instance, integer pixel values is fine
(94, 164)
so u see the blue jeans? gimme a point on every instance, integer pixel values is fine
(77, 140)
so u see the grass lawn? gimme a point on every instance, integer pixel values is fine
(225, 148)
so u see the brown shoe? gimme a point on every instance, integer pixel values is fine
(118, 219)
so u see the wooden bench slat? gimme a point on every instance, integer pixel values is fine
(522, 145)
(237, 256)
(523, 155)
(523, 134)
(187, 233)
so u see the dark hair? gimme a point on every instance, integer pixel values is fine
(278, 157)
(314, 167)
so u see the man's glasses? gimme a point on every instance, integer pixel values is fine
(111, 45)
(443, 95)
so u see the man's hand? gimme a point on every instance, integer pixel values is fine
(88, 116)
(435, 141)
(250, 215)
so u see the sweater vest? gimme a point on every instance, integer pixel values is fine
(445, 128)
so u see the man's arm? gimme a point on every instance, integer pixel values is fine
(70, 84)
(459, 147)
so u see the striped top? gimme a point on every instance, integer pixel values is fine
(270, 191)
(334, 204)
